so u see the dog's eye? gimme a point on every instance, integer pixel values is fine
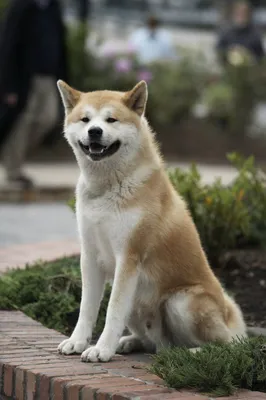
(111, 120)
(85, 119)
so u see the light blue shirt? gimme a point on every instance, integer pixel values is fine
(151, 46)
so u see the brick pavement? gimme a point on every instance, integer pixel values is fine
(31, 368)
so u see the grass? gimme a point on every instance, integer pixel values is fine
(48, 292)
(218, 369)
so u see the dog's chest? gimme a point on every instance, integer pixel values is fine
(113, 230)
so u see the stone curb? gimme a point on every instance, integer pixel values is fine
(31, 368)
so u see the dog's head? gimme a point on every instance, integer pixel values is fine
(102, 125)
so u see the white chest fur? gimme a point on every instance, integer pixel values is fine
(108, 226)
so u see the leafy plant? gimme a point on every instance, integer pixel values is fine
(174, 89)
(3, 5)
(217, 369)
(226, 217)
(50, 293)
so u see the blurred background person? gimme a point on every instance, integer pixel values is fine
(33, 57)
(241, 37)
(151, 42)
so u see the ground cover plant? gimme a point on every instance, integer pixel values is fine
(50, 293)
(217, 369)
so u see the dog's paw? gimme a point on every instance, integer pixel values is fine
(96, 354)
(129, 344)
(71, 346)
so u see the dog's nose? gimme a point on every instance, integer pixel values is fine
(95, 133)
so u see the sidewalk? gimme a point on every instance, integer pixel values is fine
(65, 175)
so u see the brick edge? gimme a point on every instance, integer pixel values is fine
(31, 369)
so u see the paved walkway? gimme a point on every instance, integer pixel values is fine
(66, 174)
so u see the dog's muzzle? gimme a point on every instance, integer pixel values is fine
(97, 151)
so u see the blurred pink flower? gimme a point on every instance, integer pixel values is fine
(131, 49)
(145, 75)
(109, 52)
(123, 65)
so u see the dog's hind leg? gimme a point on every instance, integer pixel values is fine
(137, 341)
(195, 319)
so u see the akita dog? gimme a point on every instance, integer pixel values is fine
(136, 230)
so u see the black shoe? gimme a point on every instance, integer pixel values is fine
(22, 181)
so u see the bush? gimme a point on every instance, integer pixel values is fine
(3, 5)
(217, 369)
(219, 212)
(226, 217)
(49, 293)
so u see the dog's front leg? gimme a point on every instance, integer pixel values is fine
(119, 308)
(93, 280)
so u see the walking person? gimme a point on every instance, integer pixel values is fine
(33, 57)
(241, 37)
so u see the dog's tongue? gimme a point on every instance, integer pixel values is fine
(97, 148)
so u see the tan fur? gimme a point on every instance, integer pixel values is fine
(178, 296)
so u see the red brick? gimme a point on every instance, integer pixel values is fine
(19, 385)
(132, 390)
(31, 385)
(8, 380)
(87, 393)
(170, 396)
(1, 376)
(130, 372)
(18, 361)
(44, 387)
(73, 388)
(151, 378)
(132, 394)
(175, 396)
(57, 384)
(57, 389)
(123, 365)
(63, 371)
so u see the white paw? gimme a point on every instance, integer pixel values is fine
(70, 346)
(128, 344)
(95, 354)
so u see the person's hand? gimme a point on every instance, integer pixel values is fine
(11, 99)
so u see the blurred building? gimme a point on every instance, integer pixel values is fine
(188, 13)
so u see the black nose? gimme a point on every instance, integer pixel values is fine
(95, 133)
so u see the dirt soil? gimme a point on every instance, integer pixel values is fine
(244, 277)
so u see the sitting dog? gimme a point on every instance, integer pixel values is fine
(136, 230)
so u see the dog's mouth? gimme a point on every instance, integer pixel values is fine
(97, 151)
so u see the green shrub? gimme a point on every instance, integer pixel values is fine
(217, 370)
(48, 292)
(174, 89)
(226, 217)
(219, 212)
(3, 5)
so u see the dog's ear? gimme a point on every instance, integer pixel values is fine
(136, 99)
(70, 96)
